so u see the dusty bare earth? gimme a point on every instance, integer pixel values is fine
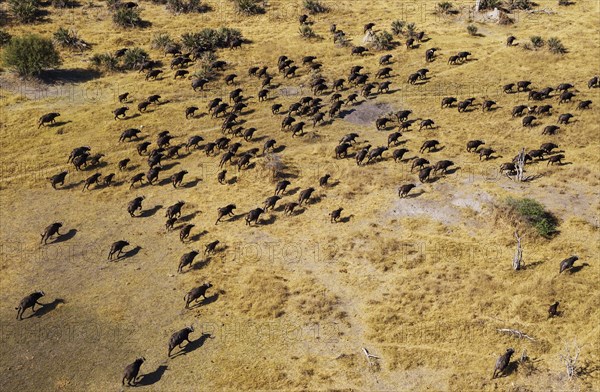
(424, 283)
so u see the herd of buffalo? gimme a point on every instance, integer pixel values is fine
(236, 146)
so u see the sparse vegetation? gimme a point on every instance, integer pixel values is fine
(411, 29)
(472, 29)
(383, 40)
(204, 69)
(398, 27)
(4, 38)
(24, 11)
(162, 41)
(105, 62)
(210, 39)
(249, 7)
(127, 17)
(537, 41)
(29, 55)
(444, 8)
(186, 6)
(532, 213)
(134, 57)
(520, 4)
(489, 4)
(69, 39)
(307, 32)
(314, 6)
(556, 46)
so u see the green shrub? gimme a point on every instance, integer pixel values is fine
(248, 7)
(444, 7)
(472, 29)
(134, 57)
(383, 41)
(186, 7)
(489, 4)
(24, 11)
(4, 38)
(537, 41)
(411, 29)
(69, 39)
(307, 32)
(226, 36)
(162, 41)
(555, 46)
(532, 213)
(314, 7)
(210, 39)
(204, 69)
(30, 55)
(105, 61)
(127, 17)
(398, 27)
(520, 4)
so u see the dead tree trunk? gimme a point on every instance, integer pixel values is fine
(570, 358)
(520, 165)
(518, 259)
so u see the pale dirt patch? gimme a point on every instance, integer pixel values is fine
(366, 113)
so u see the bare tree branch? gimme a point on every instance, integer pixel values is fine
(517, 260)
(516, 333)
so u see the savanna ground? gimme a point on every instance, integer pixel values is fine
(423, 283)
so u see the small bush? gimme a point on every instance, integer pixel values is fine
(444, 8)
(489, 4)
(186, 7)
(210, 39)
(30, 55)
(24, 11)
(536, 41)
(248, 7)
(113, 4)
(398, 27)
(411, 29)
(204, 68)
(162, 41)
(226, 36)
(69, 39)
(314, 7)
(556, 46)
(307, 32)
(472, 29)
(383, 40)
(4, 38)
(105, 62)
(533, 213)
(134, 57)
(520, 4)
(127, 17)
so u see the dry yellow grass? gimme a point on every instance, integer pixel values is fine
(423, 283)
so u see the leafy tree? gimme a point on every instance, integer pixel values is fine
(30, 55)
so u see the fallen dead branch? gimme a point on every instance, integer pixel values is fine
(516, 333)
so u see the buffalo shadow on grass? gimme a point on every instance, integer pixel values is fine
(192, 345)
